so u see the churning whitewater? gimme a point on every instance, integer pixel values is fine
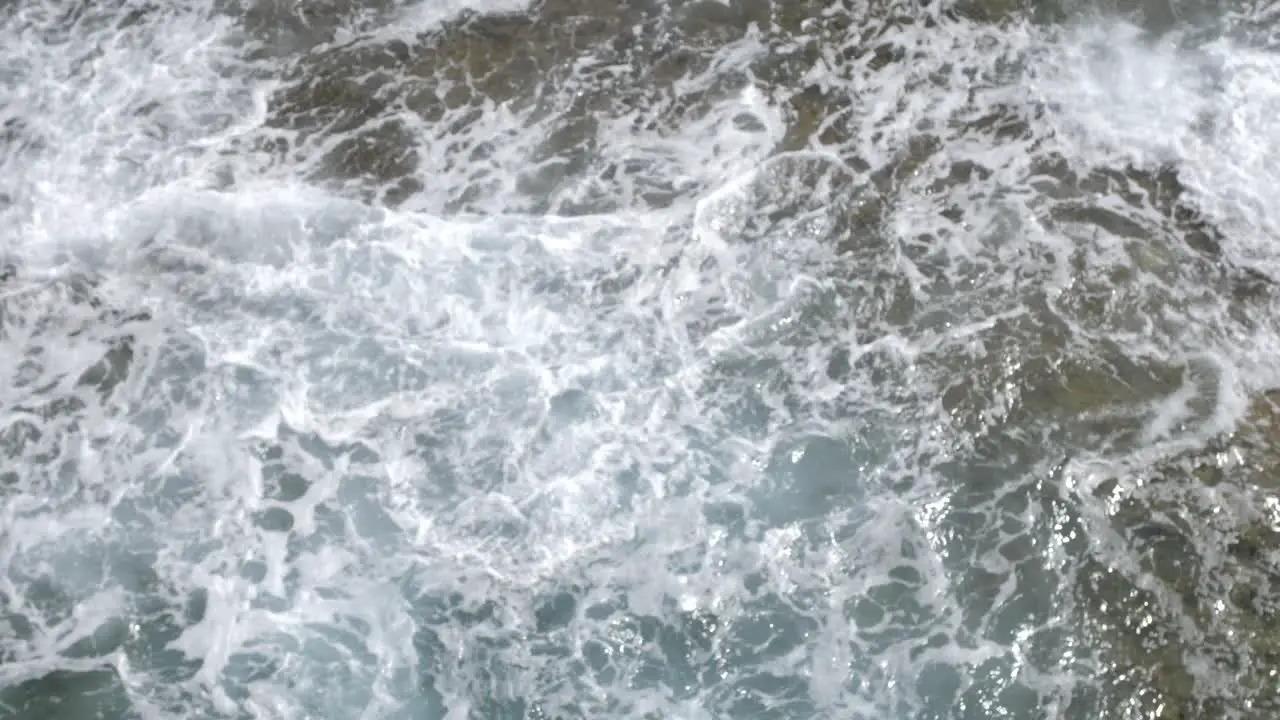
(872, 359)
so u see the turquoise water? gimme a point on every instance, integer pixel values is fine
(688, 360)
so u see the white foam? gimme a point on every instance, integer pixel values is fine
(366, 449)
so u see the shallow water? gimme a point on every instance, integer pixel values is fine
(653, 360)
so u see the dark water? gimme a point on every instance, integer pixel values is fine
(627, 359)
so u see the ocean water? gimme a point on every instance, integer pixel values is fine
(485, 359)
